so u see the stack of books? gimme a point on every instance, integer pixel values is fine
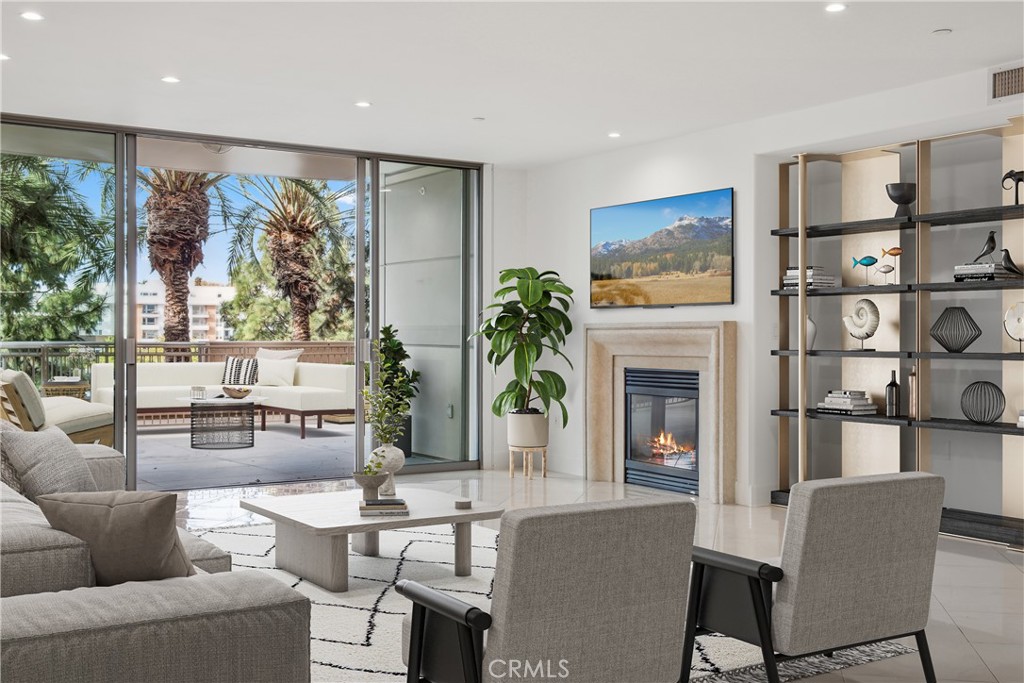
(385, 507)
(847, 402)
(981, 272)
(817, 278)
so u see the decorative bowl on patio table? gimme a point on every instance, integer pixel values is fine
(237, 392)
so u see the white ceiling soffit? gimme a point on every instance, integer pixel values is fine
(191, 156)
(551, 80)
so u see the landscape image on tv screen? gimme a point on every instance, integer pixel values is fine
(663, 252)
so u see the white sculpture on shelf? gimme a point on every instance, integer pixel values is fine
(863, 322)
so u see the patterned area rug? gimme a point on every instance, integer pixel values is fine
(357, 635)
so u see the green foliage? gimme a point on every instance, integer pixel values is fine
(527, 322)
(374, 465)
(53, 250)
(387, 404)
(693, 258)
(393, 373)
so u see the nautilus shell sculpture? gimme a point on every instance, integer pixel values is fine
(863, 322)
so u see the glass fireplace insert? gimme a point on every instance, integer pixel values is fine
(662, 420)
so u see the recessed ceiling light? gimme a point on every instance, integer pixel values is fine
(4, 58)
(613, 134)
(31, 16)
(479, 118)
(170, 79)
(364, 104)
(835, 7)
(942, 31)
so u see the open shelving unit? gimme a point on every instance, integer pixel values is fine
(876, 443)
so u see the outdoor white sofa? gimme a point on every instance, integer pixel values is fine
(319, 389)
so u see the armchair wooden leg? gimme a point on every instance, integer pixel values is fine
(764, 631)
(692, 610)
(926, 657)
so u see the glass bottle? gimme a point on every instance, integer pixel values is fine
(892, 397)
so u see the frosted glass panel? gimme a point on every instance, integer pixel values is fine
(423, 299)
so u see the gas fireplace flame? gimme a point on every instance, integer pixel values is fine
(665, 444)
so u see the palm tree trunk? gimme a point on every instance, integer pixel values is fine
(300, 317)
(176, 311)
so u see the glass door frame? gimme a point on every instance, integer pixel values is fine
(367, 180)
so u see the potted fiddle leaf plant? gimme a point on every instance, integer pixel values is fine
(387, 404)
(393, 372)
(530, 317)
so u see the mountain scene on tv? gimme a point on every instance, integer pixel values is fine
(671, 251)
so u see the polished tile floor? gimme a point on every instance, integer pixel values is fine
(976, 629)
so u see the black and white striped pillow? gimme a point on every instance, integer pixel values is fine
(240, 371)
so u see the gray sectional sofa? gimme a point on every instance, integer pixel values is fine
(58, 626)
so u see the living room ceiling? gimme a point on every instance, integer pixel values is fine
(550, 80)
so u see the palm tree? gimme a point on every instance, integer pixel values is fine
(178, 224)
(301, 220)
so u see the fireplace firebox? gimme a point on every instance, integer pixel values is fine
(662, 421)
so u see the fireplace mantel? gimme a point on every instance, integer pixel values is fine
(709, 348)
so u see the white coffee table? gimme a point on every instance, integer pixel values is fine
(312, 529)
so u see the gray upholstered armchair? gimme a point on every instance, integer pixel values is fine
(592, 592)
(857, 564)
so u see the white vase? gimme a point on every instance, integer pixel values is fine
(527, 430)
(812, 332)
(392, 459)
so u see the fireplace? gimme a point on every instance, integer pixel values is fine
(662, 419)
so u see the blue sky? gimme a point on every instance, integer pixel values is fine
(215, 252)
(640, 219)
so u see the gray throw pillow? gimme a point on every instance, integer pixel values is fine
(10, 475)
(46, 461)
(131, 534)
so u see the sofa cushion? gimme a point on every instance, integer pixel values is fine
(277, 373)
(46, 461)
(303, 398)
(277, 354)
(106, 466)
(72, 414)
(240, 371)
(8, 474)
(131, 534)
(26, 389)
(35, 557)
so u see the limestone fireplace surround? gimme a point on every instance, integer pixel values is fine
(707, 347)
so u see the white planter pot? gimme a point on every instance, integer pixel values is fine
(527, 430)
(392, 460)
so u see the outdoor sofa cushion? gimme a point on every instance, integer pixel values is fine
(71, 414)
(29, 395)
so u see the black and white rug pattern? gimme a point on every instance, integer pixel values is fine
(357, 635)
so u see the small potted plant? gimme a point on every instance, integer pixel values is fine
(371, 478)
(396, 376)
(387, 403)
(531, 316)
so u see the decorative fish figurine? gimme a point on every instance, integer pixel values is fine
(885, 269)
(892, 251)
(864, 261)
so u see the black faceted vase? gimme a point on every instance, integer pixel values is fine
(902, 195)
(982, 402)
(955, 329)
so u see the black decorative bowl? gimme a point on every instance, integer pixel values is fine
(902, 195)
(983, 402)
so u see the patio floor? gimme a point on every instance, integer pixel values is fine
(168, 463)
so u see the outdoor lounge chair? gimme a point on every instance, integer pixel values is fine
(84, 422)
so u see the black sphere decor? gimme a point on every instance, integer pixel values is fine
(983, 402)
(955, 329)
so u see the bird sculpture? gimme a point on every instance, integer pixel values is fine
(1009, 265)
(990, 246)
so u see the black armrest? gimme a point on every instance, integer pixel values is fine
(739, 565)
(445, 605)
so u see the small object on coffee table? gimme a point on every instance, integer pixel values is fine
(465, 504)
(237, 392)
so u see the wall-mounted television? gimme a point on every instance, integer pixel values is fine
(674, 251)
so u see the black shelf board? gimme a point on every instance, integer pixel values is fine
(967, 286)
(839, 291)
(853, 353)
(986, 214)
(849, 227)
(901, 421)
(945, 355)
(968, 426)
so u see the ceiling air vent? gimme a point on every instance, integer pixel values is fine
(1004, 82)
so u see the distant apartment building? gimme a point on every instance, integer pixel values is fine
(204, 302)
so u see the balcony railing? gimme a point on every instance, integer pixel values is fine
(43, 360)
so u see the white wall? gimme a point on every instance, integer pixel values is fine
(553, 232)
